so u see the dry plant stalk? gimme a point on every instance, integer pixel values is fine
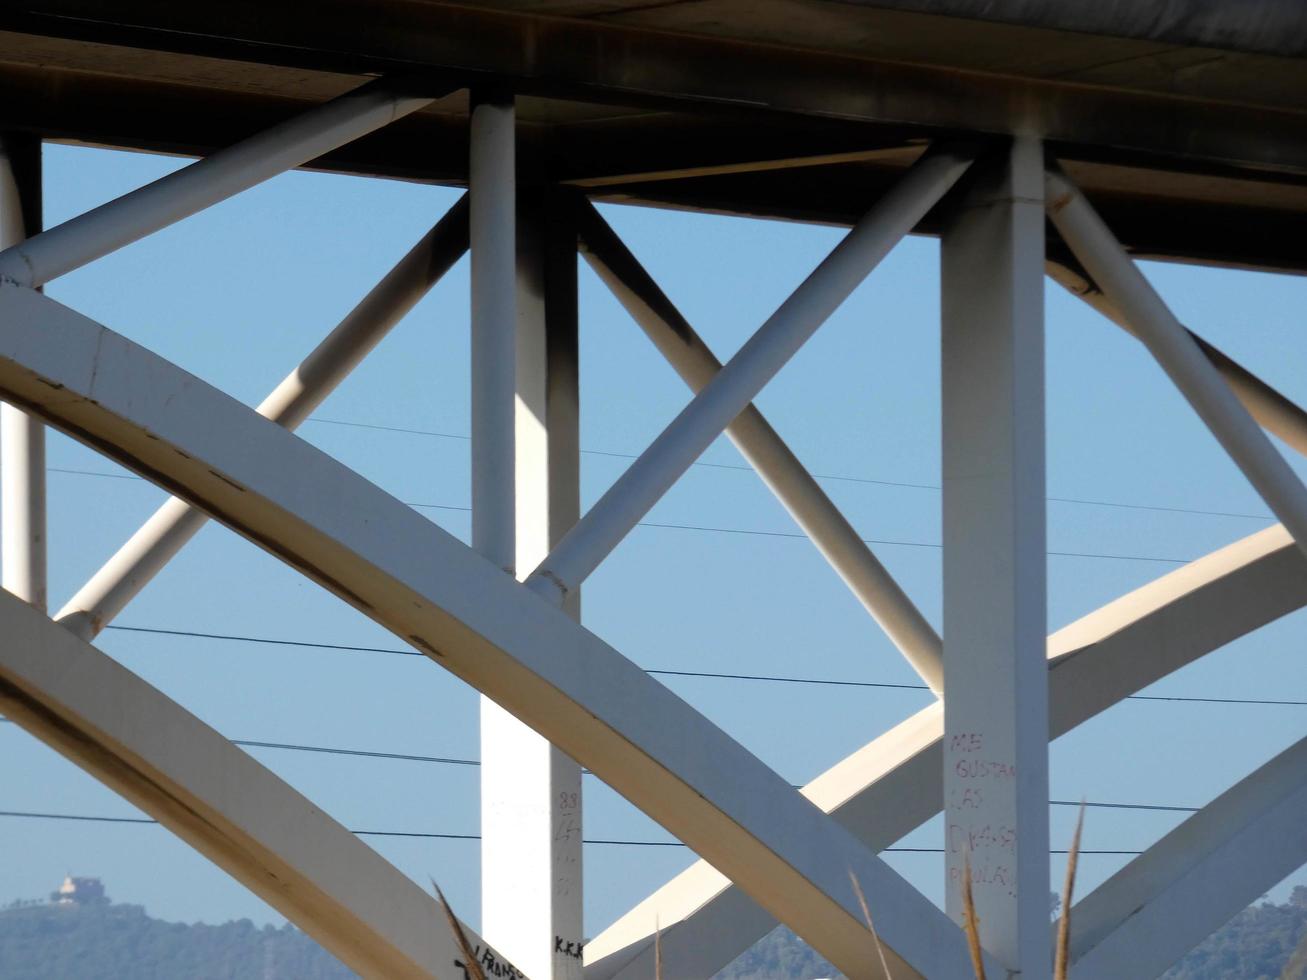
(1062, 955)
(469, 955)
(658, 951)
(971, 924)
(866, 914)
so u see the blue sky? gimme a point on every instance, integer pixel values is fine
(240, 293)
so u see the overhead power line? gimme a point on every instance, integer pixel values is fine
(831, 477)
(705, 674)
(895, 543)
(446, 760)
(88, 818)
(325, 750)
(753, 532)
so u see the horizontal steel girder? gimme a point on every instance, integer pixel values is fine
(891, 786)
(606, 62)
(468, 616)
(219, 800)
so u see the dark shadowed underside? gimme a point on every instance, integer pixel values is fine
(1183, 121)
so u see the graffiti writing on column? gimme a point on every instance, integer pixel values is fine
(989, 845)
(572, 948)
(567, 872)
(491, 964)
(567, 833)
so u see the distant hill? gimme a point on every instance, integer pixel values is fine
(781, 955)
(103, 941)
(120, 942)
(1257, 944)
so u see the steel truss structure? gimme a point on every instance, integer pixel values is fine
(915, 139)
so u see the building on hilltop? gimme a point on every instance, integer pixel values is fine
(79, 891)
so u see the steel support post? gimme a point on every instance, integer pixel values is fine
(996, 709)
(169, 199)
(525, 494)
(22, 438)
(492, 193)
(530, 790)
(732, 389)
(1179, 355)
(766, 452)
(144, 555)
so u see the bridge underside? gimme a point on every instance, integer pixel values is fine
(1190, 138)
(1065, 139)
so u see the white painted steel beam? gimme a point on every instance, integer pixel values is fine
(530, 791)
(168, 530)
(1273, 411)
(22, 438)
(219, 800)
(1196, 878)
(732, 389)
(995, 768)
(78, 241)
(492, 191)
(531, 804)
(1177, 353)
(425, 586)
(891, 786)
(766, 452)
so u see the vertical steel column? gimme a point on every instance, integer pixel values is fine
(995, 675)
(492, 233)
(492, 195)
(22, 438)
(525, 473)
(531, 792)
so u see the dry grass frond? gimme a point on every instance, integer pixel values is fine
(970, 923)
(866, 914)
(469, 955)
(658, 951)
(1062, 954)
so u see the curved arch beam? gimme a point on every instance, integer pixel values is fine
(422, 584)
(891, 786)
(218, 799)
(1196, 878)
